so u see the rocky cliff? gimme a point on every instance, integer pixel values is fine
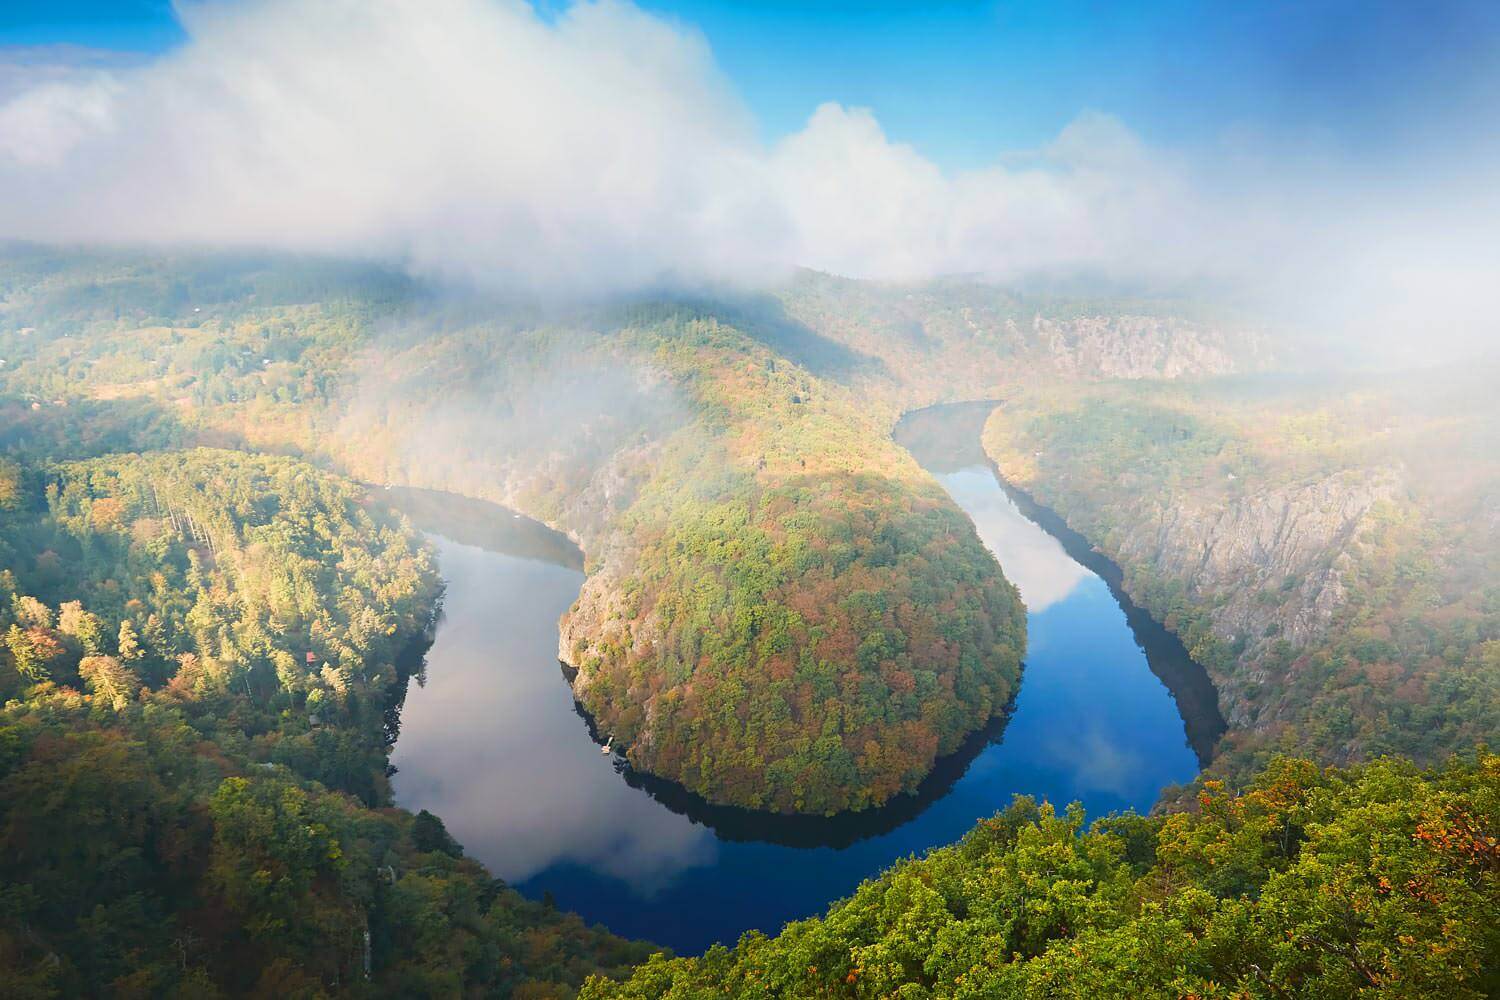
(1135, 347)
(1248, 572)
(1269, 566)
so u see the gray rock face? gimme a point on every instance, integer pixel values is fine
(1137, 347)
(1270, 564)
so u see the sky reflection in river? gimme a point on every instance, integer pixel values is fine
(522, 787)
(1032, 559)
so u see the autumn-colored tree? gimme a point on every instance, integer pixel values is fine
(10, 484)
(31, 650)
(31, 612)
(109, 680)
(81, 625)
(107, 513)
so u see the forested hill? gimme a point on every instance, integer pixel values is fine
(1328, 546)
(202, 650)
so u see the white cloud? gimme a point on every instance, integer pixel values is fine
(27, 67)
(602, 150)
(473, 137)
(464, 135)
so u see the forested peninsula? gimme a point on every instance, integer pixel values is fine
(782, 611)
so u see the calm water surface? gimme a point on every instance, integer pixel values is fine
(1108, 713)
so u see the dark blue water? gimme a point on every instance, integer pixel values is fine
(493, 744)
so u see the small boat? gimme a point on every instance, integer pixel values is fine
(608, 747)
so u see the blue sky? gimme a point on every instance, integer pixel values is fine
(136, 25)
(964, 82)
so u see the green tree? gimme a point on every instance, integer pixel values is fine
(128, 644)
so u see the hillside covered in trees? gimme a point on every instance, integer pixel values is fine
(1326, 546)
(203, 653)
(783, 611)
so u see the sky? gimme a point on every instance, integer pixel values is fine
(964, 82)
(1341, 157)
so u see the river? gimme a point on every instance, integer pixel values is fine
(1109, 712)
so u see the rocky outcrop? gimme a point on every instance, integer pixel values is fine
(1292, 543)
(1265, 567)
(1134, 347)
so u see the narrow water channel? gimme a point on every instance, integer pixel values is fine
(491, 740)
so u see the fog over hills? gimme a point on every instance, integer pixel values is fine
(600, 148)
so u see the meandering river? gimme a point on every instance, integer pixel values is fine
(1109, 712)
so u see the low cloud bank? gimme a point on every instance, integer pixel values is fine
(602, 151)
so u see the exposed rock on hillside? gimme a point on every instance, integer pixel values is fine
(948, 340)
(1270, 564)
(1126, 346)
(1323, 545)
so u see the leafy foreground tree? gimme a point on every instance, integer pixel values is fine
(137, 860)
(1382, 881)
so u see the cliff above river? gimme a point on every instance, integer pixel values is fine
(1339, 605)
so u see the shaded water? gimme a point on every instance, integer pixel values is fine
(493, 743)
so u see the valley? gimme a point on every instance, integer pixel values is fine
(1096, 720)
(671, 500)
(817, 648)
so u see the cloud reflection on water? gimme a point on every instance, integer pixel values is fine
(1096, 762)
(1033, 560)
(525, 789)
(1093, 721)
